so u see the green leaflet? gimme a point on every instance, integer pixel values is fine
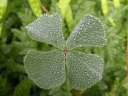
(47, 69)
(35, 5)
(47, 29)
(84, 69)
(88, 32)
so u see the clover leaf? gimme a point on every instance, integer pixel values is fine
(48, 69)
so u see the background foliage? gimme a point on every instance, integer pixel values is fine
(15, 43)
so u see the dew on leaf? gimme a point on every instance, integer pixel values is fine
(82, 68)
(46, 69)
(88, 32)
(48, 29)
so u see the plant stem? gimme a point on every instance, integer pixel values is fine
(45, 10)
(67, 81)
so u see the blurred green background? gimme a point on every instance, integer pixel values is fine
(15, 43)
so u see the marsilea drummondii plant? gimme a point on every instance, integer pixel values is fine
(48, 69)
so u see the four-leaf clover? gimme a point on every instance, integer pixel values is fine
(48, 69)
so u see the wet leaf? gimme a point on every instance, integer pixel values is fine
(85, 70)
(88, 32)
(47, 29)
(46, 69)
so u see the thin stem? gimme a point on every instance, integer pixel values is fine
(67, 81)
(44, 8)
(67, 77)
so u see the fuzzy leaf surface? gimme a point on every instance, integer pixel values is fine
(46, 69)
(88, 32)
(48, 29)
(84, 70)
